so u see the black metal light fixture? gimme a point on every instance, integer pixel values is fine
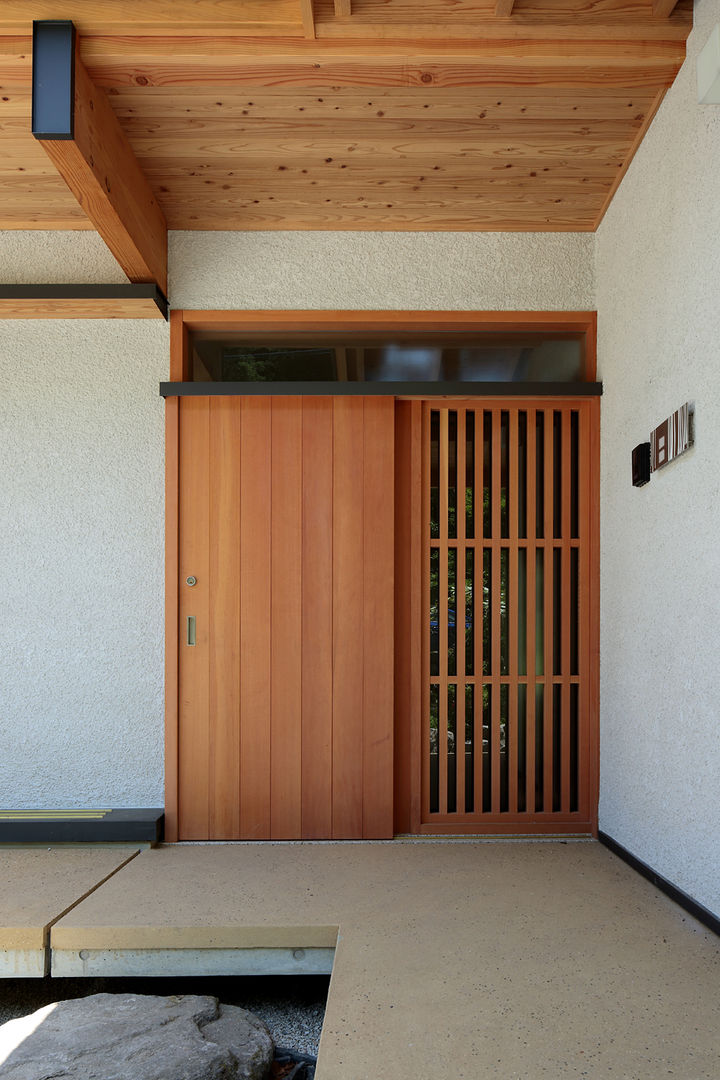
(53, 79)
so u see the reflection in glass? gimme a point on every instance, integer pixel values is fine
(305, 356)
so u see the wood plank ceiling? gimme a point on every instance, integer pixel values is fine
(355, 114)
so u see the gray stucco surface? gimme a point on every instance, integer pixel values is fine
(444, 271)
(658, 281)
(81, 578)
(32, 257)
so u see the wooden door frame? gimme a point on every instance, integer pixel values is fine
(182, 324)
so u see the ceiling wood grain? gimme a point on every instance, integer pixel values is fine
(401, 114)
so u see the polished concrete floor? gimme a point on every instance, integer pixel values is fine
(453, 961)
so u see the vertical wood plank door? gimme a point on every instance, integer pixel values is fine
(508, 562)
(286, 521)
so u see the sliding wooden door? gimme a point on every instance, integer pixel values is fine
(285, 635)
(496, 615)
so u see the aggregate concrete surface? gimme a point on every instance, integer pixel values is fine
(461, 961)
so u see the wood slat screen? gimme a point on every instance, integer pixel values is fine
(508, 709)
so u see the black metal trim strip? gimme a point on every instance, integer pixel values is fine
(394, 389)
(87, 292)
(697, 910)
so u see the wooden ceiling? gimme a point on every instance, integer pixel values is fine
(354, 114)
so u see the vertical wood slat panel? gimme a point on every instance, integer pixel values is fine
(255, 635)
(317, 617)
(286, 619)
(425, 548)
(478, 597)
(531, 611)
(460, 619)
(378, 630)
(495, 608)
(566, 604)
(348, 590)
(513, 608)
(548, 662)
(224, 618)
(443, 479)
(194, 675)
(552, 573)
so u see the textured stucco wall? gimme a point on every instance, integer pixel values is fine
(658, 281)
(346, 270)
(81, 577)
(30, 257)
(81, 673)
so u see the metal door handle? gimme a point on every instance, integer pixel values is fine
(191, 629)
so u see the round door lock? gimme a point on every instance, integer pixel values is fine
(191, 581)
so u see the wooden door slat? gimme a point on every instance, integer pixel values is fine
(317, 617)
(348, 639)
(286, 619)
(460, 619)
(443, 615)
(478, 504)
(224, 617)
(378, 633)
(548, 595)
(531, 610)
(426, 616)
(255, 631)
(495, 606)
(194, 758)
(513, 610)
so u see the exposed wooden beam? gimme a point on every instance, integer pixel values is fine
(664, 8)
(124, 62)
(86, 144)
(82, 302)
(504, 8)
(343, 7)
(308, 18)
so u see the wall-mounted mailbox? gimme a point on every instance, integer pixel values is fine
(641, 464)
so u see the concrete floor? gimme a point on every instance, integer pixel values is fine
(454, 961)
(37, 886)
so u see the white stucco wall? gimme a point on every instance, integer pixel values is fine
(81, 576)
(81, 670)
(29, 257)
(346, 270)
(658, 283)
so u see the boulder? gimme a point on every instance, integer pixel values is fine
(136, 1037)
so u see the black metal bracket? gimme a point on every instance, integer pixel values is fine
(53, 79)
(87, 292)
(393, 389)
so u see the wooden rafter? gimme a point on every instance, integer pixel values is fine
(664, 8)
(504, 8)
(97, 163)
(307, 14)
(343, 7)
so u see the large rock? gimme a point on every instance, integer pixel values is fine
(136, 1037)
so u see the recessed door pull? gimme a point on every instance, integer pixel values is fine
(191, 629)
